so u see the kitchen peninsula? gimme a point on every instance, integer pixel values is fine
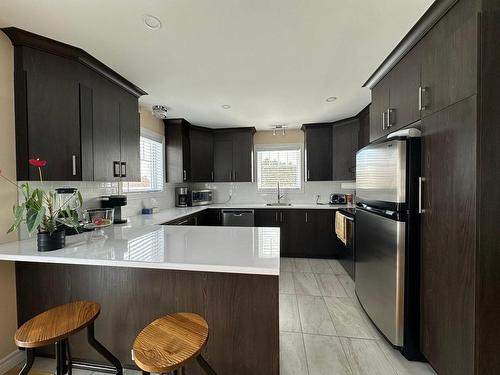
(142, 270)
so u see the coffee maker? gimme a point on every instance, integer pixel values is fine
(181, 196)
(116, 202)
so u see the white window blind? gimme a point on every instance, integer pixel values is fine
(151, 156)
(279, 164)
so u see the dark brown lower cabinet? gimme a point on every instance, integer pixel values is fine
(448, 230)
(241, 310)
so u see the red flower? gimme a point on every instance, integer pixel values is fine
(38, 163)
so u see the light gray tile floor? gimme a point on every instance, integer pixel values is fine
(335, 336)
(323, 330)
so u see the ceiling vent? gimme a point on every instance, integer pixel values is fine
(160, 111)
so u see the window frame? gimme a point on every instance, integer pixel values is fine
(160, 138)
(279, 147)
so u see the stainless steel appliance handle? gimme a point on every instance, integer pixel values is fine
(383, 120)
(421, 180)
(73, 160)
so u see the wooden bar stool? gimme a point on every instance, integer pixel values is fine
(169, 343)
(56, 326)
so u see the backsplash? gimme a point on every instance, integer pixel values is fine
(246, 192)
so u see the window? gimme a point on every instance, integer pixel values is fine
(279, 163)
(151, 155)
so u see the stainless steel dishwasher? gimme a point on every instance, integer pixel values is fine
(238, 218)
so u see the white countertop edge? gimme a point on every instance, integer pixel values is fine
(143, 265)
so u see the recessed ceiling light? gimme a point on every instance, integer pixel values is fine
(226, 106)
(331, 99)
(151, 22)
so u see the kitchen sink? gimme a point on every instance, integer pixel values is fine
(278, 204)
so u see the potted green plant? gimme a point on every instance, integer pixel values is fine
(40, 214)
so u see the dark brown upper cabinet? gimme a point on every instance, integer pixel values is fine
(395, 99)
(318, 141)
(233, 155)
(364, 127)
(189, 152)
(72, 111)
(199, 154)
(202, 154)
(177, 150)
(345, 145)
(449, 59)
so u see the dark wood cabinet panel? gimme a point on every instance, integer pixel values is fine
(202, 154)
(267, 217)
(345, 145)
(378, 109)
(52, 109)
(318, 152)
(364, 127)
(294, 232)
(177, 153)
(404, 91)
(449, 58)
(106, 131)
(242, 156)
(322, 233)
(448, 238)
(223, 157)
(233, 151)
(130, 134)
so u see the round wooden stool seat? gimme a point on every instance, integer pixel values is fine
(56, 324)
(170, 342)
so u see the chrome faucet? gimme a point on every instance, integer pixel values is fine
(280, 196)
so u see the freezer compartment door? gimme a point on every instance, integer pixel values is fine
(380, 272)
(381, 172)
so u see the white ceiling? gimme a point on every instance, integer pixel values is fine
(273, 61)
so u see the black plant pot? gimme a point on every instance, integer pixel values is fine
(49, 242)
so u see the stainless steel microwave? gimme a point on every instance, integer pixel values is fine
(200, 197)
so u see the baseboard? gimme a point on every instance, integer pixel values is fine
(11, 360)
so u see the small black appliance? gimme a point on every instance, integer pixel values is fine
(116, 202)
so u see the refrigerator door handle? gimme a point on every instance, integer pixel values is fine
(421, 181)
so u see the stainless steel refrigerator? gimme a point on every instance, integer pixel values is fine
(388, 240)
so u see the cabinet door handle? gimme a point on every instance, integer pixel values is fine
(73, 161)
(234, 175)
(390, 111)
(307, 217)
(281, 216)
(421, 181)
(116, 169)
(308, 175)
(212, 176)
(421, 92)
(123, 169)
(184, 175)
(276, 217)
(383, 120)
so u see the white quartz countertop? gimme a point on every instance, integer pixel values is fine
(145, 243)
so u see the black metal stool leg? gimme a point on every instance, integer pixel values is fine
(205, 366)
(102, 350)
(30, 358)
(60, 365)
(68, 357)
